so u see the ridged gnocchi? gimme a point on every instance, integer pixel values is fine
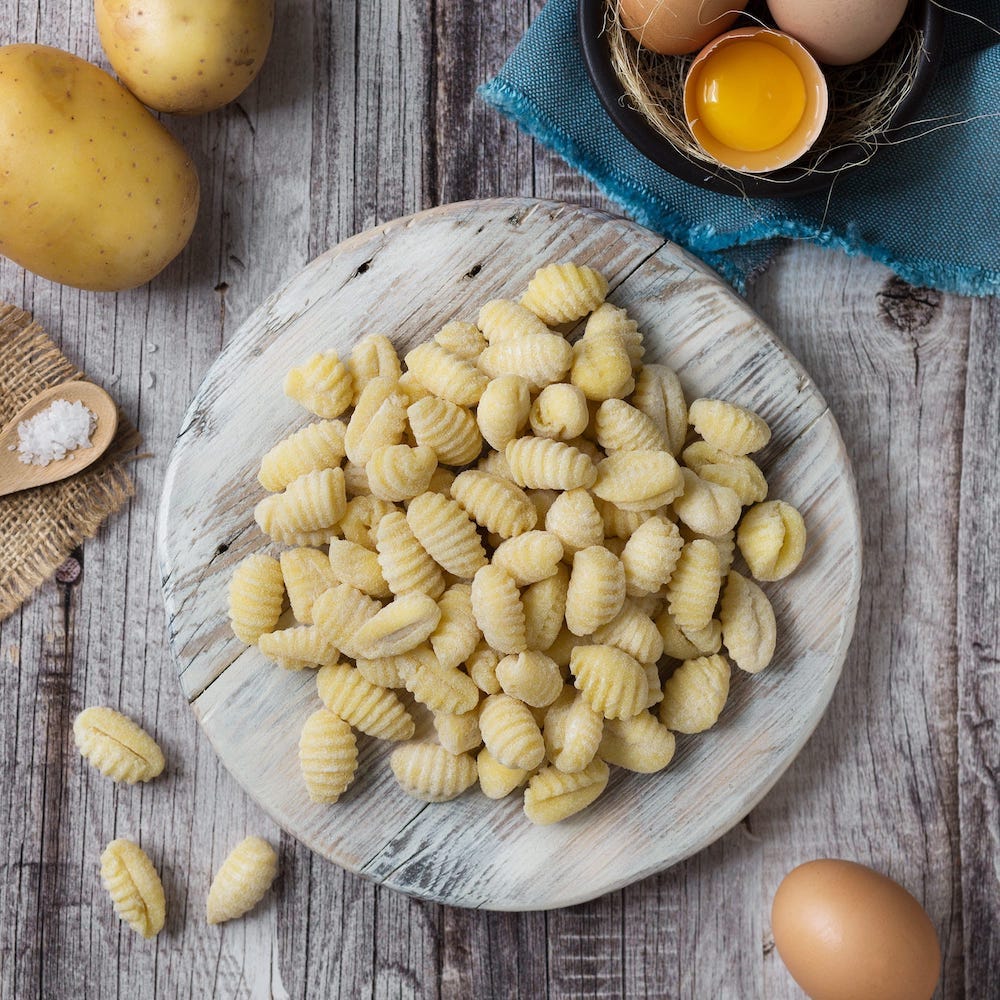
(524, 534)
(242, 880)
(316, 446)
(497, 504)
(560, 293)
(134, 887)
(447, 533)
(772, 538)
(328, 756)
(695, 694)
(552, 795)
(728, 427)
(406, 564)
(256, 597)
(430, 772)
(446, 428)
(322, 384)
(118, 747)
(366, 707)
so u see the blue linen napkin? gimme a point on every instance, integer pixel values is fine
(929, 208)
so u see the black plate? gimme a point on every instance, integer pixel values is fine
(789, 181)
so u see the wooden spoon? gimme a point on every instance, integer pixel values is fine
(16, 475)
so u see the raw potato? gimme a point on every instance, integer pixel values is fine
(185, 56)
(94, 192)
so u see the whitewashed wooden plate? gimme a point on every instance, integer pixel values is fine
(406, 279)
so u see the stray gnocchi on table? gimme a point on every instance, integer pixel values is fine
(530, 535)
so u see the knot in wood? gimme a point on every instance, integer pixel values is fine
(906, 307)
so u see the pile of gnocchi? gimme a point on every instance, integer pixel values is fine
(533, 538)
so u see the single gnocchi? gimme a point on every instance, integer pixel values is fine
(499, 613)
(510, 732)
(432, 773)
(118, 747)
(503, 410)
(559, 412)
(746, 622)
(613, 682)
(531, 676)
(449, 430)
(134, 887)
(728, 427)
(256, 597)
(328, 756)
(406, 564)
(298, 647)
(447, 533)
(539, 463)
(596, 590)
(772, 538)
(560, 293)
(641, 743)
(316, 446)
(495, 503)
(446, 375)
(553, 795)
(398, 472)
(373, 356)
(366, 707)
(695, 694)
(242, 880)
(322, 384)
(572, 731)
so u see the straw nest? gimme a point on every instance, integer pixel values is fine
(864, 97)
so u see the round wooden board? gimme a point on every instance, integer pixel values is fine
(406, 279)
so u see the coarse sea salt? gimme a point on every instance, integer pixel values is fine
(54, 432)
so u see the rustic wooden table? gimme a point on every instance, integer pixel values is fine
(365, 112)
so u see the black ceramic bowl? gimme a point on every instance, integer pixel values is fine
(795, 179)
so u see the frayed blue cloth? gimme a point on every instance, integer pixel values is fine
(929, 208)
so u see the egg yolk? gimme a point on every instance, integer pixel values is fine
(750, 95)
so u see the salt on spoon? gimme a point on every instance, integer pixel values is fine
(60, 432)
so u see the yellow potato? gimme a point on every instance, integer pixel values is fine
(185, 56)
(94, 192)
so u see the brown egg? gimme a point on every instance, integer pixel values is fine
(838, 32)
(673, 27)
(846, 932)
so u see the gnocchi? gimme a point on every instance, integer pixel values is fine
(119, 748)
(242, 880)
(134, 887)
(520, 532)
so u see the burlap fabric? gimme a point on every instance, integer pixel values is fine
(40, 527)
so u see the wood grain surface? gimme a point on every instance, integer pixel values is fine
(364, 113)
(411, 277)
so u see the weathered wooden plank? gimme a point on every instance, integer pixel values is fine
(150, 348)
(978, 657)
(877, 783)
(403, 82)
(476, 152)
